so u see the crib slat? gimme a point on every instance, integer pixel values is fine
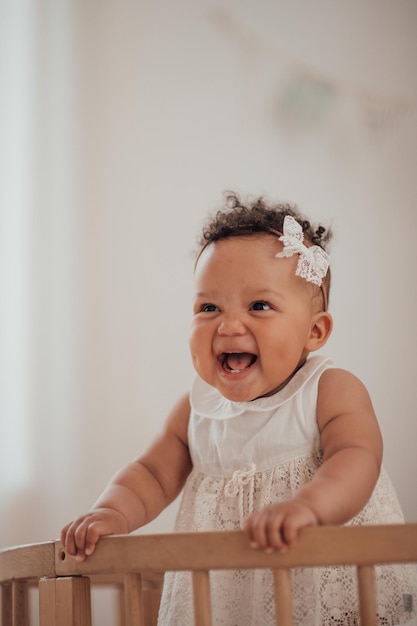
(133, 600)
(283, 598)
(47, 598)
(65, 601)
(20, 603)
(73, 601)
(202, 600)
(6, 605)
(367, 595)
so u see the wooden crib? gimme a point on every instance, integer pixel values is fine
(135, 564)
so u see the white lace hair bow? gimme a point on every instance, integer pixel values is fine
(313, 262)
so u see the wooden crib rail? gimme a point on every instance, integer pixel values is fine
(128, 561)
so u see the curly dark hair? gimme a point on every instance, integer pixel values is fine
(243, 218)
(250, 216)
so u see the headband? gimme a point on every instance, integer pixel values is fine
(313, 261)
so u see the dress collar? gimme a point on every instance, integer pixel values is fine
(208, 402)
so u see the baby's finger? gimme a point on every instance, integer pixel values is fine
(68, 538)
(290, 529)
(302, 518)
(80, 534)
(253, 530)
(95, 530)
(262, 533)
(72, 535)
(275, 537)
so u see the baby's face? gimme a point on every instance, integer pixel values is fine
(254, 319)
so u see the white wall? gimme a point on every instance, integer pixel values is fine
(144, 112)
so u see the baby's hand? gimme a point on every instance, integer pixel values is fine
(80, 537)
(276, 526)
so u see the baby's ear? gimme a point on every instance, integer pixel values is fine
(320, 331)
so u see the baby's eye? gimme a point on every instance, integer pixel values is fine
(208, 308)
(260, 306)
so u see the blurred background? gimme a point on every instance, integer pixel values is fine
(121, 125)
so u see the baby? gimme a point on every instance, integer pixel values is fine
(270, 438)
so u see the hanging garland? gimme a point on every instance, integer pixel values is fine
(305, 98)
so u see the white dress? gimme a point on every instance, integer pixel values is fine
(246, 455)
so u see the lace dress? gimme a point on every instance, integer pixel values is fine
(245, 456)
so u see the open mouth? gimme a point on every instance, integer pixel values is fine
(237, 361)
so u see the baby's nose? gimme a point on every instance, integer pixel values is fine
(231, 325)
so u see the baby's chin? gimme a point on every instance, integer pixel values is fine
(242, 395)
(234, 395)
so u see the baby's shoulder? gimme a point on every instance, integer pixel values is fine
(341, 392)
(338, 378)
(178, 418)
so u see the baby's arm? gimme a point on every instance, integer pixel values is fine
(140, 491)
(352, 454)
